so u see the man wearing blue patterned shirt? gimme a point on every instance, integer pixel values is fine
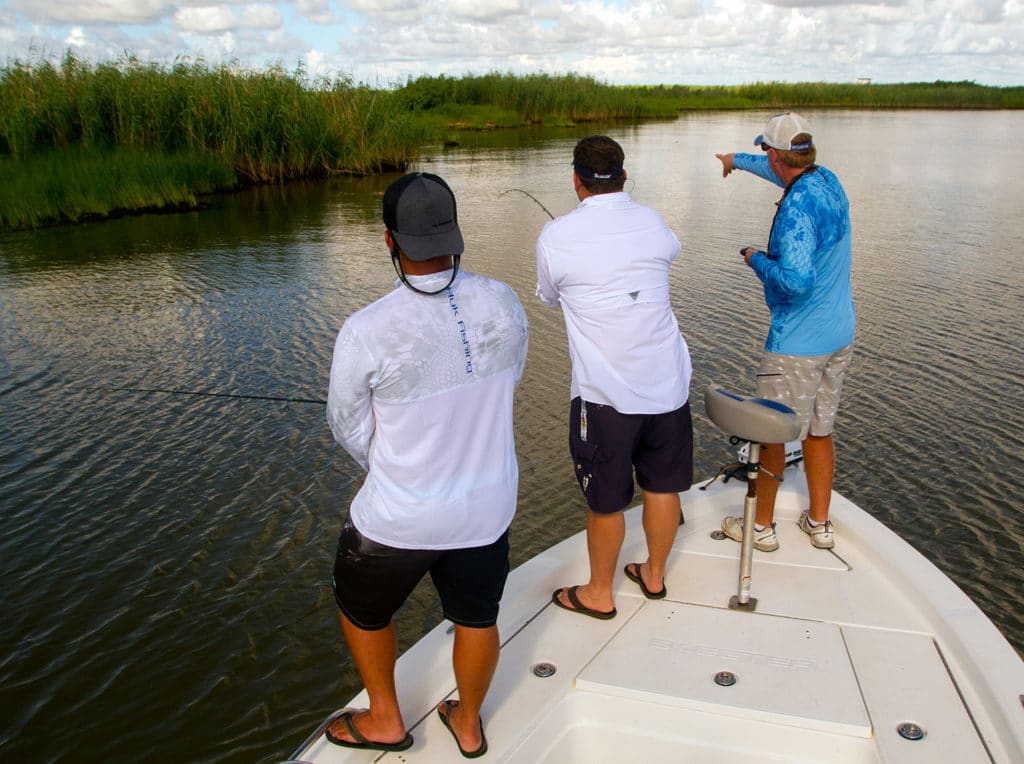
(806, 276)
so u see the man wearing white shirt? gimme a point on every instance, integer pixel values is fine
(420, 395)
(606, 265)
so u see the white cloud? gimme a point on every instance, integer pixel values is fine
(653, 41)
(982, 11)
(486, 11)
(683, 9)
(261, 17)
(386, 7)
(318, 11)
(76, 39)
(210, 19)
(226, 42)
(93, 11)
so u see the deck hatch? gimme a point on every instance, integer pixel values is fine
(787, 670)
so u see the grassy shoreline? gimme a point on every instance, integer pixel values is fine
(82, 141)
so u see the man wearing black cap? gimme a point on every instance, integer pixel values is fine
(421, 396)
(805, 271)
(606, 265)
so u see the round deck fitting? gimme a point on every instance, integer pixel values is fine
(544, 670)
(911, 731)
(725, 679)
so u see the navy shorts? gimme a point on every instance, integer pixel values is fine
(606, 446)
(371, 580)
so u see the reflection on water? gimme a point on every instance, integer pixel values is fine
(166, 558)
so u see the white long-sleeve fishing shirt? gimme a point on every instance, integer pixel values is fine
(421, 396)
(606, 265)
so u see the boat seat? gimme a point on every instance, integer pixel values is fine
(752, 419)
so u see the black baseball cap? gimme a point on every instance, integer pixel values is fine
(420, 213)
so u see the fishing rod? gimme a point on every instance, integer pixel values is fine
(532, 197)
(167, 391)
(510, 190)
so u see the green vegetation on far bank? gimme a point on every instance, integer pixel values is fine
(206, 130)
(78, 184)
(566, 99)
(82, 141)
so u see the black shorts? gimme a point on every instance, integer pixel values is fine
(606, 446)
(371, 580)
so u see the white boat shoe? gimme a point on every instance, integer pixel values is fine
(822, 535)
(764, 541)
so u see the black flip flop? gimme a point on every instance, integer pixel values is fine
(363, 742)
(639, 581)
(579, 607)
(448, 705)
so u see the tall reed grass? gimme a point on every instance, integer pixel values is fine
(61, 125)
(912, 95)
(534, 98)
(269, 125)
(83, 184)
(80, 139)
(575, 98)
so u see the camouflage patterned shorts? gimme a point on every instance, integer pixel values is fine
(809, 384)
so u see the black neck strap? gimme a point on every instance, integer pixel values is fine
(806, 171)
(396, 262)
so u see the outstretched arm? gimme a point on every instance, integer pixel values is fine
(756, 164)
(727, 164)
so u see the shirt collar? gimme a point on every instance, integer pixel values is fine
(602, 200)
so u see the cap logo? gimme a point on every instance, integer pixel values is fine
(421, 215)
(586, 172)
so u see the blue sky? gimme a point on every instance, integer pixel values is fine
(383, 42)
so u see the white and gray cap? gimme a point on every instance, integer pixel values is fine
(782, 129)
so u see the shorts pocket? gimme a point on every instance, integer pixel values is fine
(584, 459)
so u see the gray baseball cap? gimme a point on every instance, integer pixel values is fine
(420, 213)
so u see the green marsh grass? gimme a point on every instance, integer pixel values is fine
(497, 99)
(913, 95)
(188, 120)
(81, 140)
(270, 125)
(534, 98)
(83, 184)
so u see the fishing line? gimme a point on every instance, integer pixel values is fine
(280, 398)
(632, 188)
(165, 391)
(532, 197)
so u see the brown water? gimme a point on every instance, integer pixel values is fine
(166, 559)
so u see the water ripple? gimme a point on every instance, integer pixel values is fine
(166, 558)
